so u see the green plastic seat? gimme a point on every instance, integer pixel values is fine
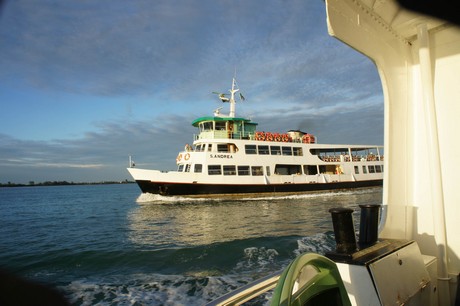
(309, 280)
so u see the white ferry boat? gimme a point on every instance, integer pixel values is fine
(230, 156)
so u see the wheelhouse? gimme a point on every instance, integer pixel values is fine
(224, 128)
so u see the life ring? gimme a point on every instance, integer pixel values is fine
(260, 136)
(277, 137)
(269, 136)
(187, 156)
(179, 157)
(308, 138)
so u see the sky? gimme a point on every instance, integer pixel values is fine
(85, 84)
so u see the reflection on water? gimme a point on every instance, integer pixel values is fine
(160, 222)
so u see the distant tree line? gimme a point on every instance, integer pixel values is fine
(62, 183)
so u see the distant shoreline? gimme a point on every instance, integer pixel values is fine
(63, 183)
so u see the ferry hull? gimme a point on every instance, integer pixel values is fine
(191, 189)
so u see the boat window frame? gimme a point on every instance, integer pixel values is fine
(207, 126)
(307, 168)
(284, 150)
(198, 168)
(257, 170)
(263, 150)
(249, 150)
(226, 170)
(274, 151)
(220, 126)
(288, 169)
(243, 170)
(214, 169)
(223, 148)
(297, 151)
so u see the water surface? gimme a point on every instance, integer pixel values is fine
(112, 245)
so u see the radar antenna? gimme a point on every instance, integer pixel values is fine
(224, 98)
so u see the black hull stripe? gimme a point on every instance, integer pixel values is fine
(216, 189)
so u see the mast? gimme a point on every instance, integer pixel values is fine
(232, 98)
(224, 98)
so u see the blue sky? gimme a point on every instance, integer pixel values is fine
(84, 84)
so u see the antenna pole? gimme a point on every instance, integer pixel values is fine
(232, 98)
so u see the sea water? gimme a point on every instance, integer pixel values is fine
(112, 245)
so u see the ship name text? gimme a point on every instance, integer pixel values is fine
(221, 156)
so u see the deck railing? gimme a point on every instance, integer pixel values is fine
(248, 292)
(223, 135)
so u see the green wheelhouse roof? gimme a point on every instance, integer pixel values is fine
(209, 118)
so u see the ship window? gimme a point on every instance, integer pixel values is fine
(200, 147)
(314, 151)
(222, 148)
(251, 149)
(287, 150)
(297, 151)
(187, 168)
(371, 169)
(209, 147)
(257, 170)
(378, 169)
(275, 150)
(263, 150)
(329, 169)
(220, 126)
(229, 170)
(356, 170)
(364, 169)
(198, 168)
(214, 170)
(267, 170)
(288, 169)
(243, 170)
(310, 169)
(206, 126)
(180, 168)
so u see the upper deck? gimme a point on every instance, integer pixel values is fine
(224, 128)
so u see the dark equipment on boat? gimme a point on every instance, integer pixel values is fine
(368, 225)
(344, 230)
